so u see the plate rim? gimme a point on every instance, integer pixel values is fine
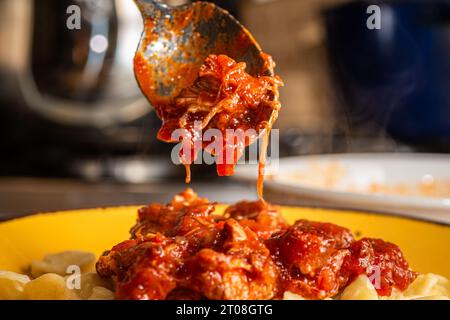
(337, 210)
(362, 200)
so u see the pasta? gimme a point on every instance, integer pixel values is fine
(53, 286)
(50, 281)
(58, 263)
(101, 293)
(426, 287)
(360, 289)
(11, 285)
(92, 287)
(49, 286)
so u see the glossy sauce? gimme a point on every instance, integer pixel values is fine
(223, 97)
(262, 165)
(182, 250)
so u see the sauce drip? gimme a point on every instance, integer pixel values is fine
(263, 154)
(188, 173)
(262, 165)
(226, 98)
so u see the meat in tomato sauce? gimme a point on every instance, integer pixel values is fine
(226, 98)
(185, 250)
(392, 266)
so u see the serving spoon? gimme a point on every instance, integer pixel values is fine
(176, 41)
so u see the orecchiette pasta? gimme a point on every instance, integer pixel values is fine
(52, 279)
(90, 284)
(428, 285)
(292, 296)
(360, 289)
(58, 263)
(101, 293)
(425, 287)
(49, 286)
(11, 285)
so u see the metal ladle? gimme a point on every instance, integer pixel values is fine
(176, 41)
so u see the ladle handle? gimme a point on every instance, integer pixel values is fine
(147, 7)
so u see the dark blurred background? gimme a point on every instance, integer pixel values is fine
(75, 131)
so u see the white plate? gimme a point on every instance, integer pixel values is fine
(349, 180)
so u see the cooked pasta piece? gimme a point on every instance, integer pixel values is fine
(90, 284)
(11, 285)
(59, 262)
(426, 287)
(49, 286)
(101, 293)
(432, 298)
(292, 296)
(360, 289)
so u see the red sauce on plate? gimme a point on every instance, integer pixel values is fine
(182, 250)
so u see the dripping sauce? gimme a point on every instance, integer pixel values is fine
(224, 97)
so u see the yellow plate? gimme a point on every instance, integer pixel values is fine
(425, 245)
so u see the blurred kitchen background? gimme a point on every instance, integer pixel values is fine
(76, 132)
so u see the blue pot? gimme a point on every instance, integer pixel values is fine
(398, 75)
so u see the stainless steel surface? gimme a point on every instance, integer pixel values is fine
(23, 196)
(121, 102)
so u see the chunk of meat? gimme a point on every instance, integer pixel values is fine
(311, 254)
(223, 97)
(183, 251)
(212, 257)
(262, 218)
(378, 258)
(325, 283)
(144, 268)
(307, 245)
(186, 211)
(240, 268)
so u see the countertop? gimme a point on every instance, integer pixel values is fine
(23, 196)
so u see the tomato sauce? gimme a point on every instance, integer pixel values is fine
(183, 250)
(223, 97)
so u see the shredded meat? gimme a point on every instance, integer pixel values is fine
(182, 250)
(368, 255)
(223, 97)
(239, 266)
(261, 217)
